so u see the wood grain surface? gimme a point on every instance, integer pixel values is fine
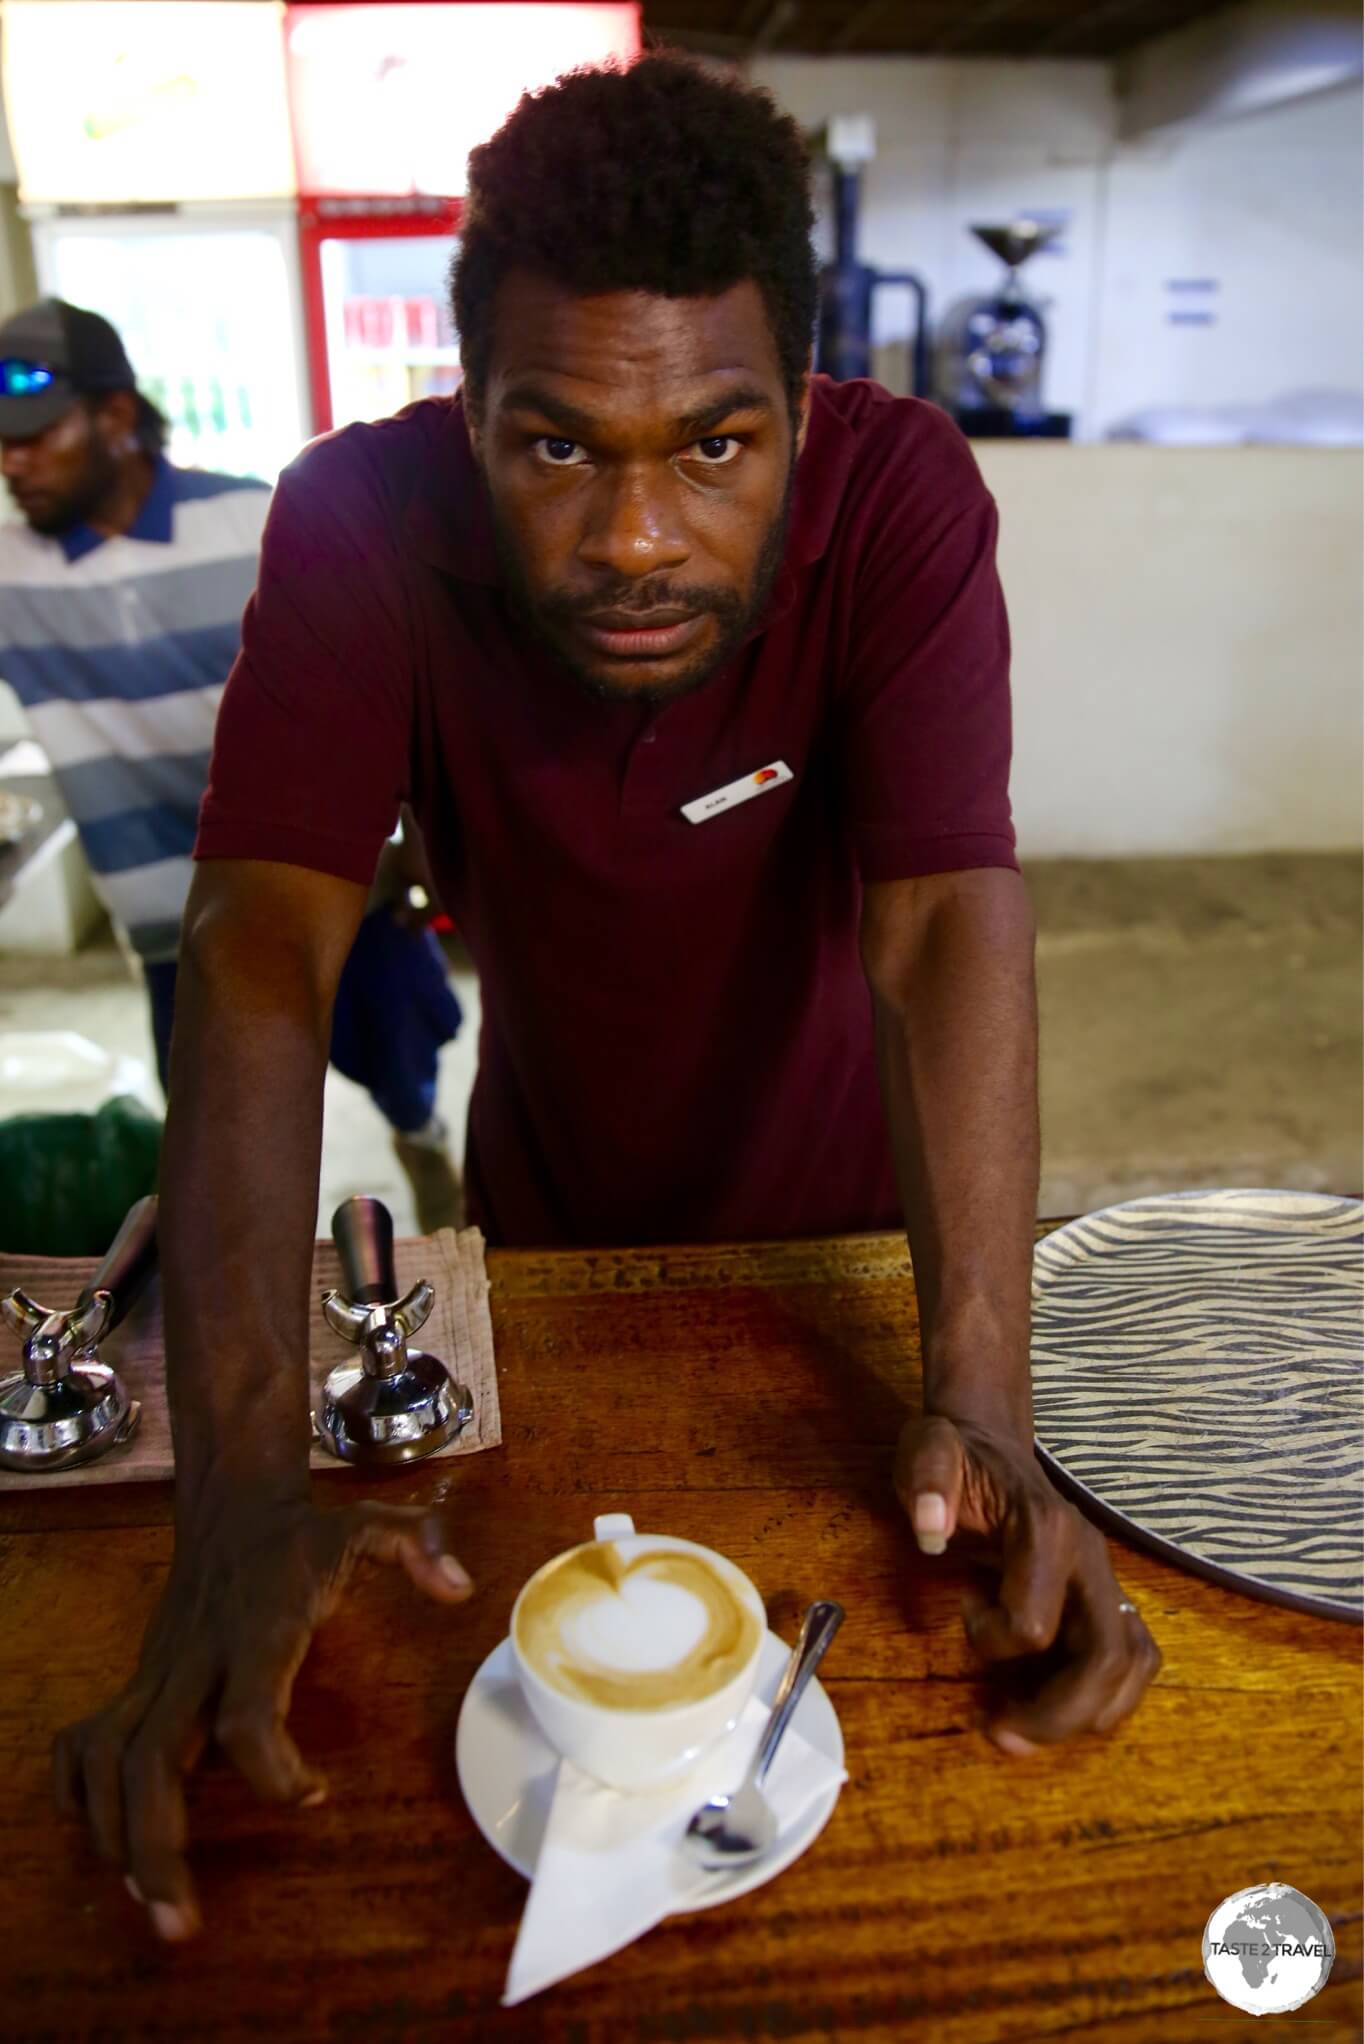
(748, 1398)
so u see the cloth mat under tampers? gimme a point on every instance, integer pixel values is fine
(459, 1332)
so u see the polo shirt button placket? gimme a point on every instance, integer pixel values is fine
(640, 792)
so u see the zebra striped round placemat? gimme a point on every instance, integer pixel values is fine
(1198, 1381)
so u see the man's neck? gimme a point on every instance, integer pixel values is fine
(119, 507)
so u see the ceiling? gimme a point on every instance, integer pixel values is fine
(925, 28)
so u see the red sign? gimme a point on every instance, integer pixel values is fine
(391, 99)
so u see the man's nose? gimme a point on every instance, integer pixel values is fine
(635, 528)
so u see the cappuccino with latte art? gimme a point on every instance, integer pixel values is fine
(644, 1630)
(636, 1651)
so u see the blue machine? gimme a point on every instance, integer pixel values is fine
(848, 287)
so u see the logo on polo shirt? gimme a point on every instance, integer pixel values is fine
(729, 797)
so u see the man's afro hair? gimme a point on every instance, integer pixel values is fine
(658, 177)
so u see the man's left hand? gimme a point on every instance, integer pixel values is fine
(1056, 1589)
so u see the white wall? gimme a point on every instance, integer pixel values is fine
(1187, 626)
(1265, 207)
(1266, 210)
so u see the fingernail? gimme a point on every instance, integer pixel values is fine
(453, 1573)
(131, 1885)
(1013, 1742)
(930, 1512)
(171, 1923)
(930, 1522)
(316, 1794)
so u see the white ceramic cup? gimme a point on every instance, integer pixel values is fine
(640, 1749)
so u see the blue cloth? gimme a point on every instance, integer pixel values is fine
(394, 1010)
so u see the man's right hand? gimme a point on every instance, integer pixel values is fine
(251, 1582)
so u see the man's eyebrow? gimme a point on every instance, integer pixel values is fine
(529, 397)
(696, 425)
(580, 425)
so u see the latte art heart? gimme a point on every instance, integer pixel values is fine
(648, 1624)
(664, 1626)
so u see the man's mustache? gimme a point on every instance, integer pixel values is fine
(629, 599)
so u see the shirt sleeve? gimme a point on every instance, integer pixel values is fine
(925, 714)
(312, 746)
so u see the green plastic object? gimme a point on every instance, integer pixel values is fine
(67, 1180)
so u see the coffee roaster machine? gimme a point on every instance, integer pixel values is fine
(986, 367)
(991, 349)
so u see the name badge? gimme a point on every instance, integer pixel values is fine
(706, 806)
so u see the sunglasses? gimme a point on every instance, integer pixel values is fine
(23, 379)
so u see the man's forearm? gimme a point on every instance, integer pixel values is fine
(238, 1210)
(956, 1028)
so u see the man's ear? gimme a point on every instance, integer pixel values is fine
(115, 420)
(473, 415)
(803, 411)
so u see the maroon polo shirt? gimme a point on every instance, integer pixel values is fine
(677, 1032)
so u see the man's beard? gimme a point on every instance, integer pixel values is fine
(551, 616)
(78, 506)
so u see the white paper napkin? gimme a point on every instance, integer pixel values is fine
(611, 1866)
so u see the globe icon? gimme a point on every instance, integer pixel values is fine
(1268, 1949)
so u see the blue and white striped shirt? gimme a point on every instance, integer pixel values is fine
(118, 649)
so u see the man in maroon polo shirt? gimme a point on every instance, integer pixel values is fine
(694, 671)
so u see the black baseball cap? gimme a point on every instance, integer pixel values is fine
(50, 355)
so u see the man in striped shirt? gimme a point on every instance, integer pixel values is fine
(121, 596)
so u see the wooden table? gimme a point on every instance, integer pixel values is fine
(745, 1397)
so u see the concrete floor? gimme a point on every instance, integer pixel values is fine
(1201, 1026)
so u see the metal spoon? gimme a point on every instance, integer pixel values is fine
(731, 1831)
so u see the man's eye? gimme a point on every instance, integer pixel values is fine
(717, 449)
(559, 453)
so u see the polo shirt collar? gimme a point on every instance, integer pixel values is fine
(821, 477)
(822, 471)
(450, 520)
(155, 520)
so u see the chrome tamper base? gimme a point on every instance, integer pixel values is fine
(392, 1419)
(395, 1404)
(77, 1417)
(65, 1406)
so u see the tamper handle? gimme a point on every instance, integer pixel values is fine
(362, 1229)
(127, 1266)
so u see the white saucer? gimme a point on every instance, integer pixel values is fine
(506, 1769)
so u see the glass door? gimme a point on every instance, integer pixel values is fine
(381, 296)
(208, 310)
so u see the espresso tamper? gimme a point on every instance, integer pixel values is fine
(396, 1403)
(66, 1406)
